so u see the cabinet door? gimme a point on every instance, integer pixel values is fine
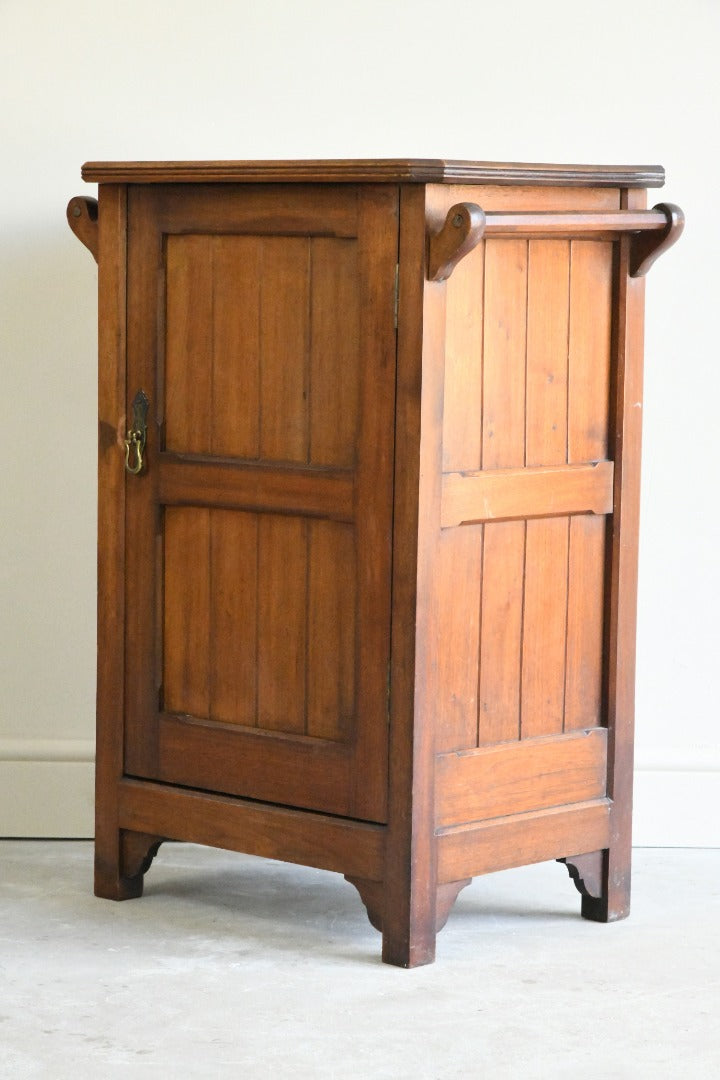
(260, 327)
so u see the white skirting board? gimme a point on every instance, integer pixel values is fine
(47, 790)
(676, 808)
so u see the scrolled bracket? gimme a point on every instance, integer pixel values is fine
(646, 247)
(82, 215)
(463, 230)
(586, 872)
(137, 852)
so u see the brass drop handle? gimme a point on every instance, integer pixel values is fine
(137, 434)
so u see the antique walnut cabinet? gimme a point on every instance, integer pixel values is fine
(369, 465)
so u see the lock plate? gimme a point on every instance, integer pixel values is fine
(137, 434)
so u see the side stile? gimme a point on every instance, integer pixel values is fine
(410, 894)
(112, 226)
(626, 432)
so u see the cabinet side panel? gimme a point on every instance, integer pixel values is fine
(463, 390)
(503, 446)
(544, 615)
(590, 342)
(458, 580)
(546, 553)
(503, 576)
(586, 585)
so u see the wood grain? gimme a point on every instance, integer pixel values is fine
(272, 765)
(236, 277)
(626, 435)
(519, 839)
(376, 170)
(331, 630)
(273, 832)
(285, 336)
(547, 352)
(110, 879)
(516, 778)
(585, 584)
(462, 396)
(568, 225)
(503, 447)
(503, 575)
(281, 626)
(233, 617)
(189, 481)
(457, 628)
(186, 622)
(504, 354)
(189, 344)
(334, 355)
(410, 875)
(542, 676)
(589, 361)
(504, 494)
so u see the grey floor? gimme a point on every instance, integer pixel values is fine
(236, 967)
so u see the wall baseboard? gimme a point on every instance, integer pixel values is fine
(676, 808)
(47, 790)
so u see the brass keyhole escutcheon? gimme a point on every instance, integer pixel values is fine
(137, 434)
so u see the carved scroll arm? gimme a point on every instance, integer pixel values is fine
(82, 215)
(649, 246)
(463, 230)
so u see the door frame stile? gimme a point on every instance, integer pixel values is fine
(410, 892)
(622, 568)
(112, 315)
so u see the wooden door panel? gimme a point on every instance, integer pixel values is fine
(259, 625)
(260, 533)
(262, 347)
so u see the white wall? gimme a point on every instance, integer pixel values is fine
(628, 81)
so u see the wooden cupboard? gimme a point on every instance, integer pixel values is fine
(369, 444)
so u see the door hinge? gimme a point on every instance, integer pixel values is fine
(397, 295)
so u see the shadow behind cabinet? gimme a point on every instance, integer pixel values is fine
(369, 468)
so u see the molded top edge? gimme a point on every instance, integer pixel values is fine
(381, 170)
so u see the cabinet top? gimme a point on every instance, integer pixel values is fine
(380, 170)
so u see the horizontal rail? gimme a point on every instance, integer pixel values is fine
(544, 223)
(650, 231)
(262, 488)
(273, 832)
(520, 777)
(519, 839)
(541, 491)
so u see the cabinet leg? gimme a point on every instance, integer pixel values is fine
(603, 880)
(404, 948)
(119, 873)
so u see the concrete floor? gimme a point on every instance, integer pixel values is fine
(236, 967)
